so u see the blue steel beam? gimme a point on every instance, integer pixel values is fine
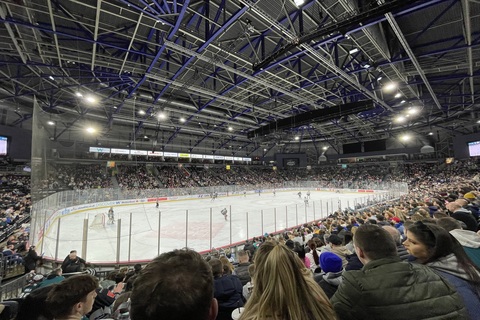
(157, 56)
(217, 33)
(156, 17)
(339, 36)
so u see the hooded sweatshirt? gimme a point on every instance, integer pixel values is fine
(470, 242)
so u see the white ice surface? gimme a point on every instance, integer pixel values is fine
(198, 229)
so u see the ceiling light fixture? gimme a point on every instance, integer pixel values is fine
(182, 120)
(389, 87)
(379, 78)
(353, 51)
(51, 123)
(398, 95)
(141, 112)
(299, 3)
(297, 138)
(162, 115)
(230, 129)
(405, 137)
(90, 99)
(412, 111)
(79, 94)
(400, 119)
(90, 130)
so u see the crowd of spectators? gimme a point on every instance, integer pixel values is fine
(81, 177)
(423, 249)
(135, 177)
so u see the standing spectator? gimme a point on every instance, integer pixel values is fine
(31, 259)
(177, 285)
(241, 270)
(73, 263)
(284, 288)
(415, 292)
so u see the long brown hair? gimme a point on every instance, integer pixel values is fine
(284, 288)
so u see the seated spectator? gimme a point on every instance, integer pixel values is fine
(54, 277)
(338, 248)
(397, 237)
(435, 247)
(73, 298)
(248, 287)
(241, 270)
(227, 290)
(178, 284)
(414, 291)
(73, 263)
(469, 240)
(331, 276)
(284, 288)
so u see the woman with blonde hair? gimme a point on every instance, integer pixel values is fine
(284, 288)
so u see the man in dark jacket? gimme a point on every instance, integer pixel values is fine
(73, 263)
(227, 290)
(31, 259)
(387, 287)
(241, 270)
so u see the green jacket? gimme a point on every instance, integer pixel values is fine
(393, 289)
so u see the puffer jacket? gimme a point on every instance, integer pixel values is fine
(241, 271)
(394, 289)
(228, 291)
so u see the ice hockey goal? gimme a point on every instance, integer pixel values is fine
(98, 221)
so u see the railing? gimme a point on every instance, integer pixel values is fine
(61, 221)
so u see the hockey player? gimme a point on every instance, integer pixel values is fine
(274, 192)
(308, 194)
(156, 206)
(244, 193)
(299, 194)
(111, 216)
(224, 213)
(214, 196)
(306, 201)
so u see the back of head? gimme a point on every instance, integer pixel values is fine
(177, 283)
(449, 223)
(216, 267)
(284, 288)
(394, 233)
(242, 256)
(375, 242)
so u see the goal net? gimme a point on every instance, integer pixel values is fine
(98, 221)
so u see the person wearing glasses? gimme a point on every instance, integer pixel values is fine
(433, 246)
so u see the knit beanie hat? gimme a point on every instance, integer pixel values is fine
(330, 262)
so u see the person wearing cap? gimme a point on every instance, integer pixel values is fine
(331, 276)
(388, 288)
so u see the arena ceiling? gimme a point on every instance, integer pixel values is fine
(197, 76)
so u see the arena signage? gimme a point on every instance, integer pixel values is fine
(219, 157)
(120, 151)
(184, 155)
(208, 156)
(99, 150)
(237, 158)
(196, 156)
(228, 158)
(139, 152)
(155, 153)
(170, 154)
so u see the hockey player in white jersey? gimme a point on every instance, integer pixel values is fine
(111, 216)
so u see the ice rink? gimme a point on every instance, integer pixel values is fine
(146, 231)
